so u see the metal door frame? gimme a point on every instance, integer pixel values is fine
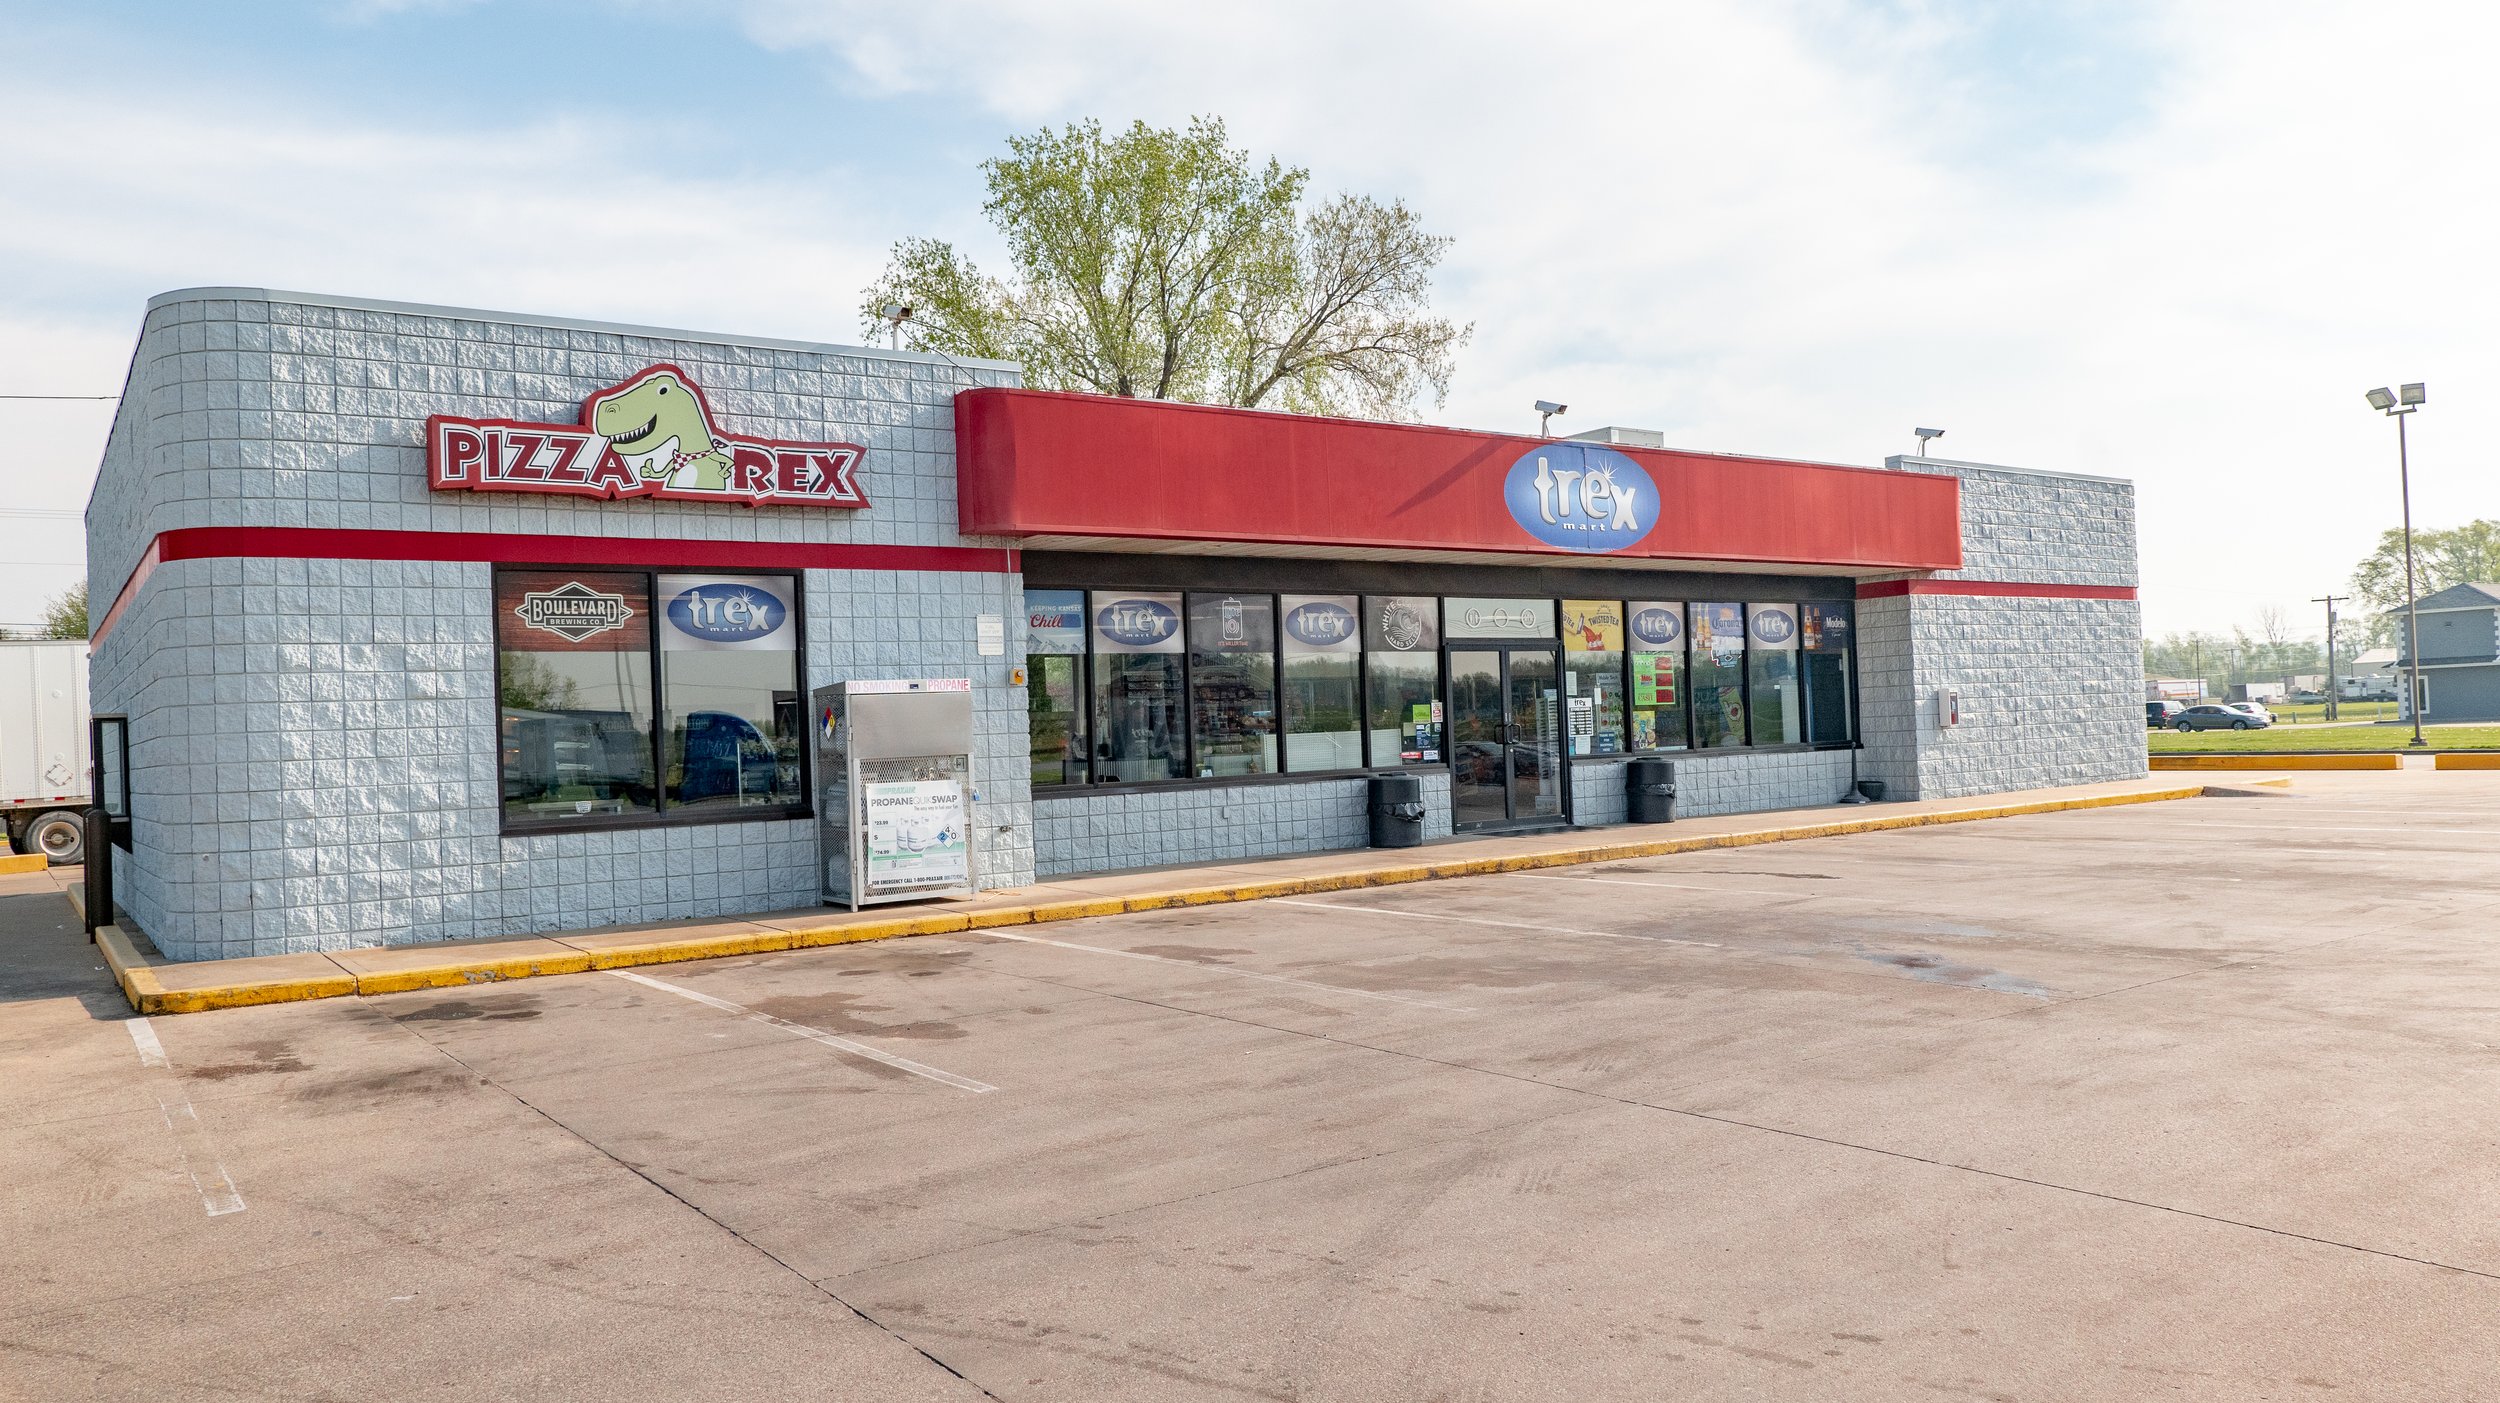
(1503, 648)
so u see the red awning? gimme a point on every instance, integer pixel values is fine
(1093, 468)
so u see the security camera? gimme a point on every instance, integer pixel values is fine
(1547, 406)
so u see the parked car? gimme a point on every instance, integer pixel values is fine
(2157, 714)
(2215, 717)
(2256, 709)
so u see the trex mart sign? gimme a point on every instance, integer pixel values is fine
(652, 436)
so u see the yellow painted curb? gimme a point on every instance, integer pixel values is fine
(701, 947)
(16, 863)
(2278, 762)
(148, 994)
(465, 972)
(2489, 760)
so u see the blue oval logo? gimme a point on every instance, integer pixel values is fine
(727, 613)
(1581, 497)
(1657, 628)
(1773, 626)
(1320, 624)
(1136, 623)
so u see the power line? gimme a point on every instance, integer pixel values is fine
(77, 397)
(42, 511)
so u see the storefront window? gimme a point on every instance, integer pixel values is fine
(1138, 732)
(1232, 683)
(1323, 656)
(1831, 716)
(574, 650)
(1054, 668)
(1778, 708)
(1718, 669)
(1402, 672)
(731, 718)
(1655, 630)
(1593, 688)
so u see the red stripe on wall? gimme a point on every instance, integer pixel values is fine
(311, 543)
(1990, 589)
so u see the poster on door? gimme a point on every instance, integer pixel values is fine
(915, 837)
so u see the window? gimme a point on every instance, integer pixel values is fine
(574, 650)
(1323, 656)
(1402, 672)
(1718, 672)
(1771, 675)
(632, 695)
(1138, 733)
(1593, 689)
(1054, 698)
(731, 719)
(1831, 713)
(1232, 683)
(1656, 633)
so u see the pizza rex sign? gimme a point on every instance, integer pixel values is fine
(654, 435)
(1581, 497)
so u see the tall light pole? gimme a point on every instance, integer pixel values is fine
(2396, 406)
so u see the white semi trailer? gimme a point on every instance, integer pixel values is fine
(43, 746)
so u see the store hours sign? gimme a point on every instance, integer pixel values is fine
(652, 436)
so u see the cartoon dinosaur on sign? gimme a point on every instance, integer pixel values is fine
(659, 424)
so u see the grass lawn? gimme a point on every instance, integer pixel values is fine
(2316, 711)
(2278, 740)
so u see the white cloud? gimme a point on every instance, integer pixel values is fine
(1788, 229)
(1798, 230)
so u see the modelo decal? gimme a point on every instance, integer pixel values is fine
(652, 436)
(727, 613)
(1656, 628)
(1320, 624)
(1136, 623)
(1581, 497)
(1774, 626)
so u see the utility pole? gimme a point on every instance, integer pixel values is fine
(2334, 686)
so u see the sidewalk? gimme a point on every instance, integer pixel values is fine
(155, 985)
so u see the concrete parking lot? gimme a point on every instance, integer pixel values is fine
(2196, 1099)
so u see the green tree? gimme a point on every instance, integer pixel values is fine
(65, 614)
(1169, 265)
(2455, 555)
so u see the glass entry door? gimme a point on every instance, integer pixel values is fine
(1505, 737)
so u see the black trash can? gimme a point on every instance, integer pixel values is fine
(1652, 791)
(1397, 811)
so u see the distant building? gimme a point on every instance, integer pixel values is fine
(2460, 653)
(2371, 676)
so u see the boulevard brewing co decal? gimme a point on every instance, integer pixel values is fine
(652, 436)
(572, 611)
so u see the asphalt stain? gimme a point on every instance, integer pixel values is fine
(269, 1056)
(1194, 954)
(1936, 969)
(847, 1013)
(382, 1086)
(461, 1010)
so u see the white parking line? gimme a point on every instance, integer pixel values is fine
(1676, 886)
(151, 1051)
(903, 1064)
(1480, 921)
(1228, 969)
(191, 1143)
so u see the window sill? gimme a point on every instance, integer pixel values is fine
(532, 828)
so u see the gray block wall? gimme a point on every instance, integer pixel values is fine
(314, 742)
(2051, 689)
(1153, 828)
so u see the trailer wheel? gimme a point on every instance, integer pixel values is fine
(60, 836)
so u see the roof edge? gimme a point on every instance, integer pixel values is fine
(426, 309)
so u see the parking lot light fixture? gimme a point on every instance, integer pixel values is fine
(2414, 396)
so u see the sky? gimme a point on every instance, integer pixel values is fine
(2171, 242)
